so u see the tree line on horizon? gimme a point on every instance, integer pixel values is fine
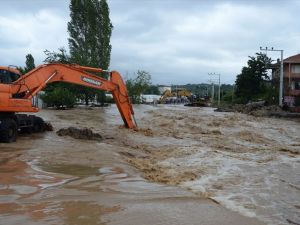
(252, 84)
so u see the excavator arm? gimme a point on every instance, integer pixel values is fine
(36, 80)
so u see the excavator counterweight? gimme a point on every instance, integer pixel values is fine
(17, 92)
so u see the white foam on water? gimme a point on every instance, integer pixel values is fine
(231, 204)
(248, 186)
(106, 170)
(48, 185)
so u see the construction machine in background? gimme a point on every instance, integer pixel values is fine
(17, 92)
(197, 101)
(175, 96)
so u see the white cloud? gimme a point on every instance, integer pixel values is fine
(183, 43)
(31, 33)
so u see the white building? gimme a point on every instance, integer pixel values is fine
(150, 98)
(38, 102)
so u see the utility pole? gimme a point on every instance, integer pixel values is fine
(232, 93)
(281, 72)
(212, 91)
(219, 94)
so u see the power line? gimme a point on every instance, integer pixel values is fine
(281, 71)
(219, 94)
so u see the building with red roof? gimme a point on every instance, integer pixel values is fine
(291, 78)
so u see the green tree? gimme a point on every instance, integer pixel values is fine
(59, 97)
(29, 64)
(89, 42)
(138, 85)
(251, 83)
(152, 90)
(57, 57)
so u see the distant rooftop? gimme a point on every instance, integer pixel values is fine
(292, 59)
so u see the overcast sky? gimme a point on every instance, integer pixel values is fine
(177, 41)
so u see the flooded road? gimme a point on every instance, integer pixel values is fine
(248, 164)
(184, 166)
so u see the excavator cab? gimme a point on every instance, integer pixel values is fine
(8, 75)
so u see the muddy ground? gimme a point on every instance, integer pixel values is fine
(183, 166)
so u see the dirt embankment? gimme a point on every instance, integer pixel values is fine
(77, 133)
(149, 163)
(258, 109)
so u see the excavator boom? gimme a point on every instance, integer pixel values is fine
(17, 95)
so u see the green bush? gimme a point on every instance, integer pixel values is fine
(59, 98)
(227, 97)
(109, 100)
(138, 85)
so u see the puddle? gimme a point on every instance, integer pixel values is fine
(73, 170)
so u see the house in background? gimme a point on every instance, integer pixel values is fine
(291, 78)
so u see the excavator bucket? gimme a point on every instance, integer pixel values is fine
(122, 100)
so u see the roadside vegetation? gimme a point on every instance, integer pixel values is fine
(253, 83)
(138, 85)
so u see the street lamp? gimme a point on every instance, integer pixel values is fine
(281, 72)
(219, 95)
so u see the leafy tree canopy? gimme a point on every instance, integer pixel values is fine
(152, 90)
(138, 85)
(59, 97)
(89, 42)
(251, 83)
(29, 64)
(90, 31)
(57, 57)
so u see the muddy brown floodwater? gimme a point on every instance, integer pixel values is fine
(184, 166)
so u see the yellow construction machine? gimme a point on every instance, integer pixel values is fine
(174, 95)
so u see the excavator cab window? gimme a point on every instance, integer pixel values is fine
(7, 77)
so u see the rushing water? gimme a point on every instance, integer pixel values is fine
(257, 185)
(47, 179)
(249, 165)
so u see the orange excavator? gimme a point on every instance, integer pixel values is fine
(17, 92)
